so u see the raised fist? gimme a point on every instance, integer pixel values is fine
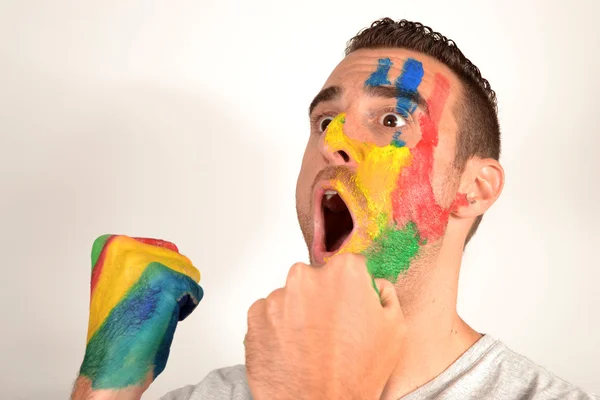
(140, 289)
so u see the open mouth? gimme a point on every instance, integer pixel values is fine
(337, 221)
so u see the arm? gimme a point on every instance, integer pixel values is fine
(140, 290)
(325, 335)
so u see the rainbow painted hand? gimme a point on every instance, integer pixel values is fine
(140, 289)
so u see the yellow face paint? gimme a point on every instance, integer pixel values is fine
(369, 194)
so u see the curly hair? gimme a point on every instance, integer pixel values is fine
(476, 112)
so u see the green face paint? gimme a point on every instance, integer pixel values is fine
(392, 251)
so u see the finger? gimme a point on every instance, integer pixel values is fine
(346, 260)
(276, 296)
(296, 273)
(349, 265)
(275, 305)
(256, 319)
(387, 294)
(256, 310)
(255, 314)
(98, 248)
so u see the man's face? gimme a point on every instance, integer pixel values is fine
(377, 176)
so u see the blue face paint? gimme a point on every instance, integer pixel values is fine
(408, 82)
(380, 77)
(396, 141)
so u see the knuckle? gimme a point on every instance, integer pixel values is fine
(101, 242)
(256, 310)
(274, 302)
(296, 272)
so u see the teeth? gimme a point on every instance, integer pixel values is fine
(329, 194)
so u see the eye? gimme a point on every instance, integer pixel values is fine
(392, 120)
(324, 123)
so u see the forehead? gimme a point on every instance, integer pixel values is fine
(356, 68)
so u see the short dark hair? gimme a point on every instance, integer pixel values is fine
(477, 111)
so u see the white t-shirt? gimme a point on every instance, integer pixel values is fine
(487, 370)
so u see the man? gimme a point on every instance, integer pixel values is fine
(400, 166)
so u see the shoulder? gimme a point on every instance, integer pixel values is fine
(490, 370)
(221, 384)
(502, 370)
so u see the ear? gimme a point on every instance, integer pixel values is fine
(482, 182)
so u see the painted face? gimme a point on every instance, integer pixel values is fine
(377, 175)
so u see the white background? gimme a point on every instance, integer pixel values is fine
(187, 121)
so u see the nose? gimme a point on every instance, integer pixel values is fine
(337, 148)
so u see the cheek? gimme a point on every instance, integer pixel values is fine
(444, 177)
(378, 177)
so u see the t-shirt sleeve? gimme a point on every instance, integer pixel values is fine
(221, 384)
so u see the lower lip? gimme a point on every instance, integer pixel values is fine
(318, 244)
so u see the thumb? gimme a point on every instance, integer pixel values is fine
(387, 294)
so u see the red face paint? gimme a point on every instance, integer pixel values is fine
(413, 198)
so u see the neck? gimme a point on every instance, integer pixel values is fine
(437, 336)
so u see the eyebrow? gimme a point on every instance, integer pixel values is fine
(392, 92)
(386, 92)
(327, 94)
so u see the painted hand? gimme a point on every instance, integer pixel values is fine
(140, 289)
(325, 335)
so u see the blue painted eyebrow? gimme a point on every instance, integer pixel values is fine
(408, 82)
(411, 98)
(385, 92)
(406, 86)
(378, 85)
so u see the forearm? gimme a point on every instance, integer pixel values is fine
(82, 390)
